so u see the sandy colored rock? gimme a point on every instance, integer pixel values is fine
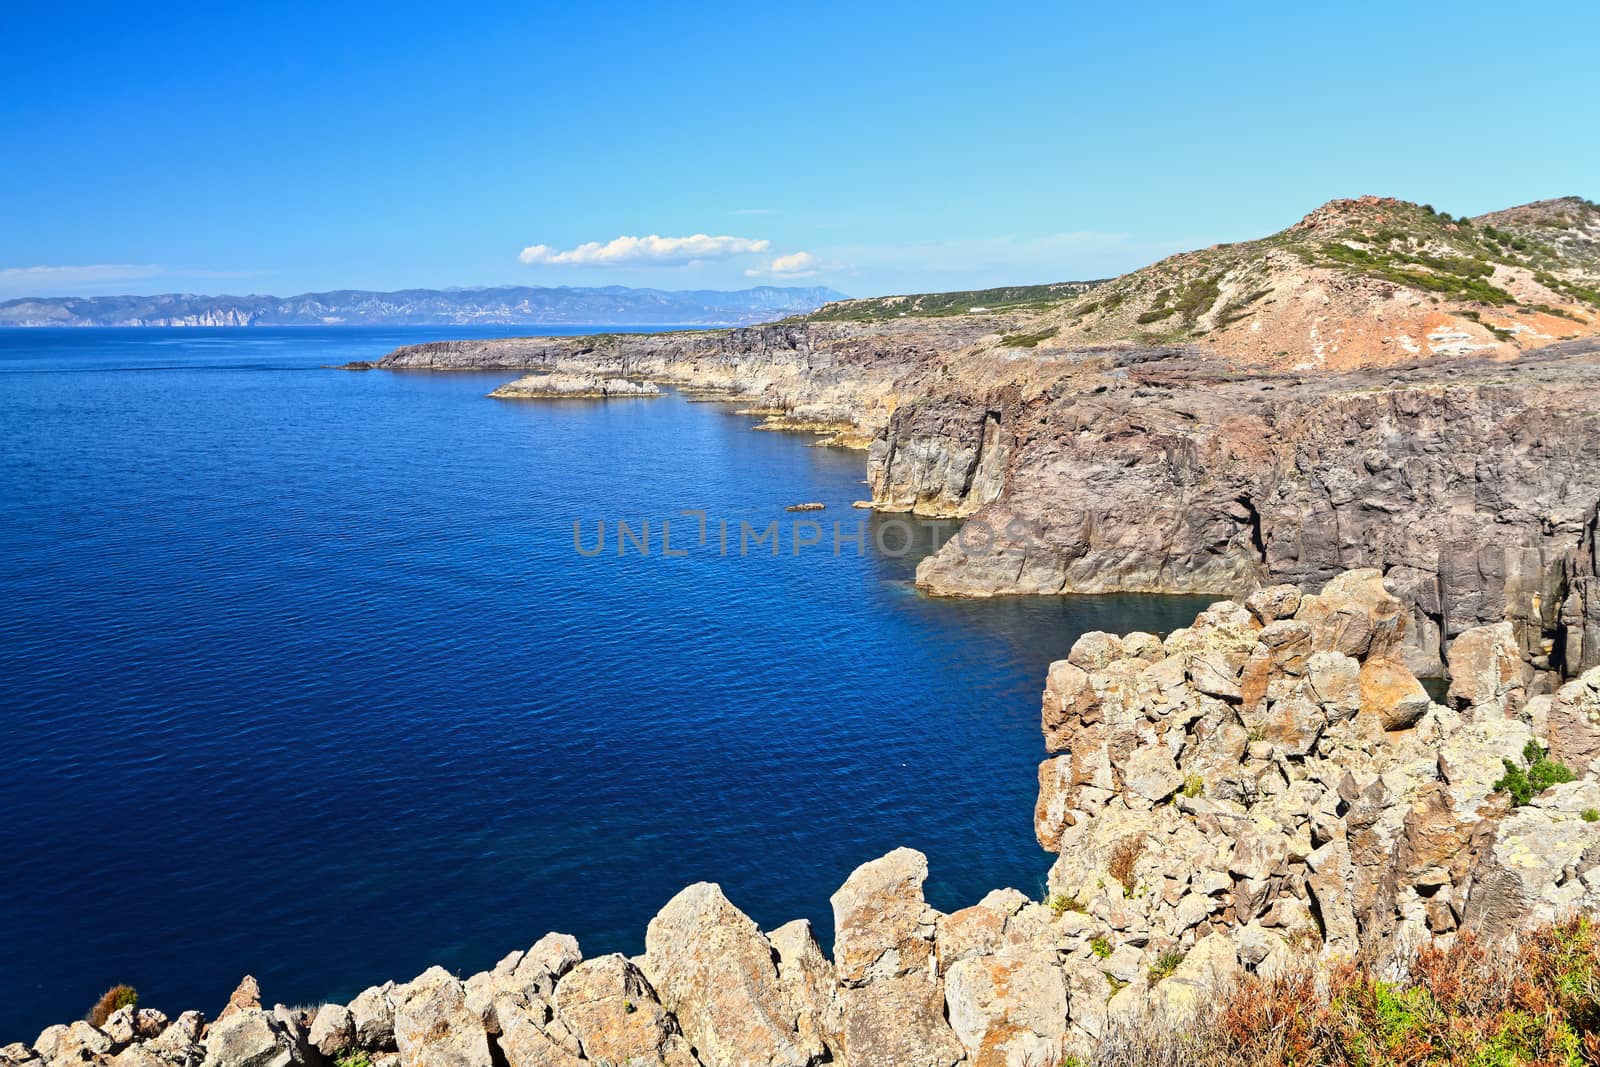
(248, 1037)
(433, 1027)
(1574, 723)
(1008, 1009)
(1391, 692)
(715, 971)
(891, 999)
(372, 1013)
(574, 386)
(610, 1006)
(1487, 674)
(333, 1031)
(246, 997)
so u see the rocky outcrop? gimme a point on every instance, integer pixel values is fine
(1268, 784)
(801, 375)
(1275, 776)
(891, 1000)
(1140, 468)
(718, 974)
(1469, 485)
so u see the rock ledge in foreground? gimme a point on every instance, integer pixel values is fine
(573, 387)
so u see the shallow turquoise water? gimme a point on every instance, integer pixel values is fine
(303, 677)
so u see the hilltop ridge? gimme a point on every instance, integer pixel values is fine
(511, 305)
(1363, 282)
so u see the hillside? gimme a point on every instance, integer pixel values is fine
(506, 305)
(1362, 282)
(1013, 298)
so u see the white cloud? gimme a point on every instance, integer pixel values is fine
(653, 250)
(44, 280)
(793, 265)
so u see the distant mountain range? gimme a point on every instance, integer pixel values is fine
(507, 305)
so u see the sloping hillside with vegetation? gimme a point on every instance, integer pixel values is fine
(1013, 298)
(1362, 282)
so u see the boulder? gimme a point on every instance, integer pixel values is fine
(1152, 773)
(246, 997)
(530, 1034)
(810, 984)
(891, 999)
(372, 1014)
(1487, 674)
(179, 1044)
(1335, 683)
(249, 1037)
(609, 1005)
(1010, 1009)
(552, 956)
(1095, 650)
(715, 971)
(1354, 614)
(119, 1026)
(79, 1042)
(1274, 602)
(1574, 723)
(1391, 692)
(1533, 870)
(433, 1027)
(333, 1030)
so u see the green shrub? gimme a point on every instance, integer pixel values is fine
(1538, 774)
(1101, 947)
(1591, 814)
(1061, 903)
(1165, 964)
(1194, 786)
(354, 1058)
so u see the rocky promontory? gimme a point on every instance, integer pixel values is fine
(1265, 789)
(1376, 386)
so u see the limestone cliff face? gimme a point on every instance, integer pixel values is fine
(944, 460)
(846, 373)
(1469, 484)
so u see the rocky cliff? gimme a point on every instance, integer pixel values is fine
(1467, 481)
(1268, 786)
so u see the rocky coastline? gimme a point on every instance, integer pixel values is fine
(1267, 786)
(1467, 481)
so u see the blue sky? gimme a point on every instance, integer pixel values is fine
(875, 148)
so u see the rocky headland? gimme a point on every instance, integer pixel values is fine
(1423, 406)
(1372, 434)
(1267, 787)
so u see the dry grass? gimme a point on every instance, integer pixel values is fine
(1533, 1005)
(118, 996)
(1123, 857)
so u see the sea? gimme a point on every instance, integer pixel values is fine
(327, 676)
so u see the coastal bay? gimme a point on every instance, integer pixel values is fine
(307, 677)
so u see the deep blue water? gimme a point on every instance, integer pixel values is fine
(301, 676)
